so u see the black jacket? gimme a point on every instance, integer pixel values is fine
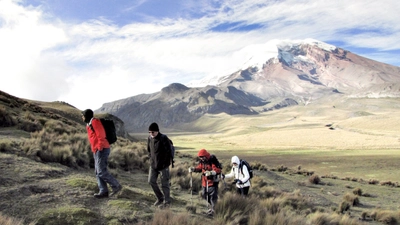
(159, 149)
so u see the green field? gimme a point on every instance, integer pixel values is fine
(347, 138)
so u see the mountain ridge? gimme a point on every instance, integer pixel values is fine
(301, 73)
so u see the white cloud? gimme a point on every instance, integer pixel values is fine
(96, 61)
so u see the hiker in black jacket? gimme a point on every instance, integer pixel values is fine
(159, 149)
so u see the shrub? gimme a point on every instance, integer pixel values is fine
(314, 179)
(6, 119)
(70, 150)
(385, 216)
(357, 191)
(344, 206)
(373, 181)
(233, 207)
(352, 199)
(129, 157)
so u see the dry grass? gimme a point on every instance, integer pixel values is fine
(56, 182)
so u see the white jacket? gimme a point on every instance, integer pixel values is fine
(237, 173)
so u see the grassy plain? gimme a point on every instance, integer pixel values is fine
(47, 176)
(345, 138)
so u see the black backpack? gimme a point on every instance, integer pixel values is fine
(109, 127)
(215, 161)
(249, 168)
(172, 149)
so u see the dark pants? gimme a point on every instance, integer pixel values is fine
(153, 176)
(211, 195)
(243, 191)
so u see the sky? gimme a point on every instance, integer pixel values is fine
(90, 52)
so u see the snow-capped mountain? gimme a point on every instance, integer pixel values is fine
(296, 72)
(258, 55)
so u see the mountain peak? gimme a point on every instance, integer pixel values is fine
(174, 88)
(296, 51)
(276, 51)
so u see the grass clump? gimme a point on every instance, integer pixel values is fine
(6, 220)
(352, 199)
(83, 183)
(69, 216)
(357, 191)
(314, 179)
(385, 216)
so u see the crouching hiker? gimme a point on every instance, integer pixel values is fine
(241, 175)
(209, 167)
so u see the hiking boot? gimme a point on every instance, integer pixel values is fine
(158, 202)
(117, 189)
(101, 195)
(164, 205)
(210, 212)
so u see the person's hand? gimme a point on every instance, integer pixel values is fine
(237, 181)
(209, 173)
(191, 169)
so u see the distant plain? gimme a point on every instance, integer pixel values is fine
(341, 137)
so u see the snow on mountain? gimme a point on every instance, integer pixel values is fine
(258, 54)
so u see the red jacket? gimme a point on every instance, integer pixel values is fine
(207, 166)
(97, 135)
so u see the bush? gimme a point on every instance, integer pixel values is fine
(357, 191)
(314, 179)
(352, 199)
(344, 206)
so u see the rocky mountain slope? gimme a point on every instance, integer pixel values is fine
(300, 74)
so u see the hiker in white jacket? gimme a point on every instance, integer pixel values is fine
(241, 175)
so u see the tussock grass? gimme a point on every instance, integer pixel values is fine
(314, 179)
(167, 217)
(386, 216)
(358, 191)
(352, 199)
(131, 157)
(6, 220)
(331, 219)
(68, 216)
(344, 206)
(90, 185)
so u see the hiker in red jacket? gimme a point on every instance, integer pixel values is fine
(209, 169)
(101, 151)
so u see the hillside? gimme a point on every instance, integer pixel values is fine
(40, 187)
(300, 74)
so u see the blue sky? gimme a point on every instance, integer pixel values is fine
(89, 52)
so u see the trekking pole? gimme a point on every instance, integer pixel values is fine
(207, 190)
(191, 189)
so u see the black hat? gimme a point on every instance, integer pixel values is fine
(88, 114)
(153, 127)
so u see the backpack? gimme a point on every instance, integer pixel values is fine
(109, 127)
(172, 149)
(215, 161)
(249, 168)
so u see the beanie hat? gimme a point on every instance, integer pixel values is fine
(203, 153)
(88, 114)
(153, 127)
